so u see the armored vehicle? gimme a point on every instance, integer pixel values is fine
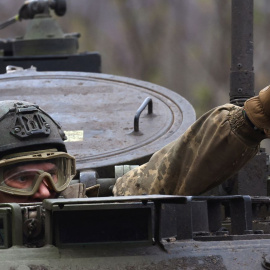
(112, 124)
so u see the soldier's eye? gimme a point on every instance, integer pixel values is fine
(20, 180)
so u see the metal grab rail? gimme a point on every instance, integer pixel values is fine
(148, 101)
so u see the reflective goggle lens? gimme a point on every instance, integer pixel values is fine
(25, 179)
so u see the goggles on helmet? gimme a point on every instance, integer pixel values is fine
(23, 174)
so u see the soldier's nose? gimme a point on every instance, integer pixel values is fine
(43, 192)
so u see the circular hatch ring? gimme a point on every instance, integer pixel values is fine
(97, 113)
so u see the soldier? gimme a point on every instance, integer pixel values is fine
(34, 164)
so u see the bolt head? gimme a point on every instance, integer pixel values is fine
(239, 65)
(239, 90)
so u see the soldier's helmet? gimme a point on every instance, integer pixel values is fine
(29, 139)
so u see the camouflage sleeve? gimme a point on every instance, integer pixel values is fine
(214, 148)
